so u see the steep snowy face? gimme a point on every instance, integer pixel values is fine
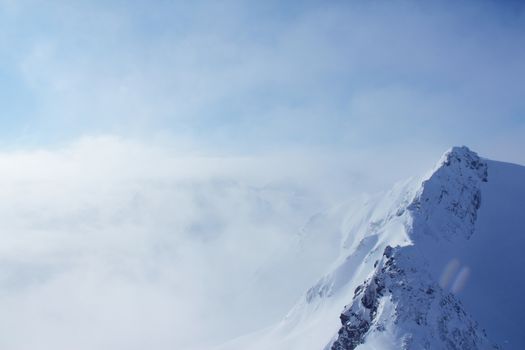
(401, 307)
(447, 203)
(411, 299)
(403, 302)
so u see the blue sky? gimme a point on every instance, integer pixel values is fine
(254, 77)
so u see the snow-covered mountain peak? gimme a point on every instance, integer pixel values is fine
(447, 202)
(460, 155)
(460, 163)
(434, 263)
(401, 304)
(441, 208)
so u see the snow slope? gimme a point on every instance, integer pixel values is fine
(435, 263)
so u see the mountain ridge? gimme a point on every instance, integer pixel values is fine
(423, 235)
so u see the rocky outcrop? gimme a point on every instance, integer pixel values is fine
(401, 297)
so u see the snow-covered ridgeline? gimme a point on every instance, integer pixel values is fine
(401, 304)
(420, 266)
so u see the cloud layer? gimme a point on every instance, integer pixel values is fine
(110, 244)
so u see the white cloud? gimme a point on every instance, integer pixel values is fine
(113, 244)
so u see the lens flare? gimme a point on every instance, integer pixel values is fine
(448, 273)
(461, 280)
